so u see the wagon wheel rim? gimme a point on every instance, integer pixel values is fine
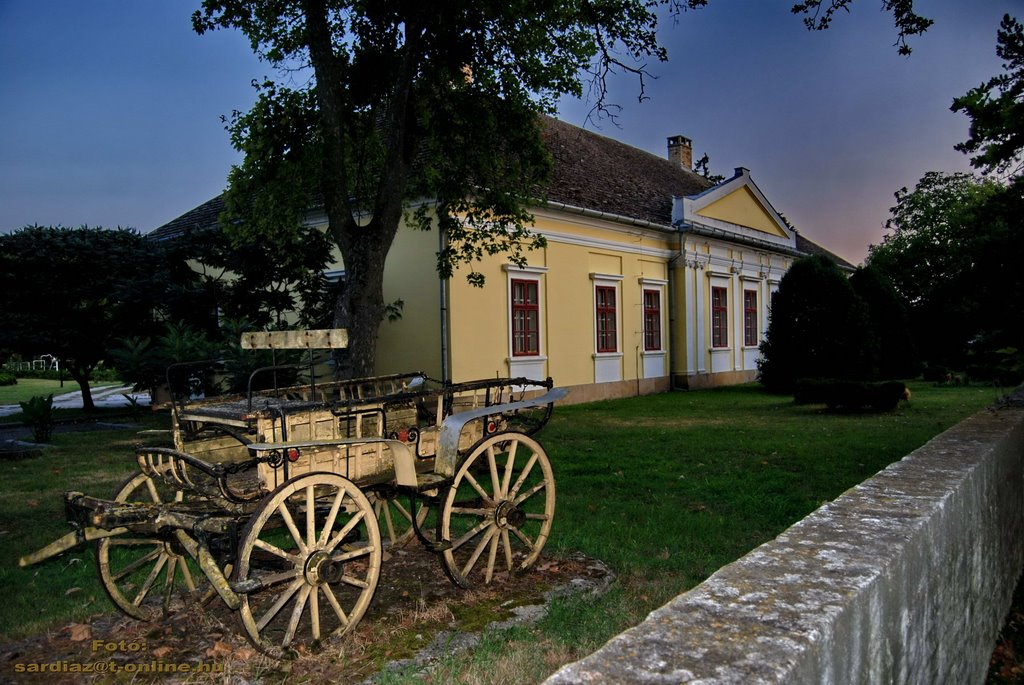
(315, 547)
(146, 577)
(498, 511)
(395, 518)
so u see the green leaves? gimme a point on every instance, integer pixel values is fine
(996, 109)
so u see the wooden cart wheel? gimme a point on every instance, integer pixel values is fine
(314, 546)
(498, 512)
(394, 517)
(147, 577)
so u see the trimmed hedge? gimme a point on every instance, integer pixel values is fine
(8, 379)
(851, 395)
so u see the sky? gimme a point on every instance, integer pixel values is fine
(110, 110)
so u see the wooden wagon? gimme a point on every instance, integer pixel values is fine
(283, 501)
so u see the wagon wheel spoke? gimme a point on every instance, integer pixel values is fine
(314, 612)
(332, 516)
(286, 516)
(271, 579)
(312, 538)
(509, 466)
(353, 522)
(470, 534)
(492, 553)
(353, 554)
(279, 604)
(478, 550)
(293, 622)
(333, 601)
(510, 521)
(395, 519)
(522, 478)
(507, 545)
(476, 486)
(275, 550)
(137, 564)
(150, 580)
(130, 565)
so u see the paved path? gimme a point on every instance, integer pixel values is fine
(112, 396)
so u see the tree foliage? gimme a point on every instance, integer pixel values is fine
(427, 111)
(895, 350)
(996, 108)
(953, 254)
(818, 16)
(267, 283)
(819, 328)
(73, 292)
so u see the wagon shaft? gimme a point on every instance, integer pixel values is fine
(66, 542)
(141, 517)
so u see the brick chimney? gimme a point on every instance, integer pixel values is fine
(680, 151)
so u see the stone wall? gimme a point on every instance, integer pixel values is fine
(905, 578)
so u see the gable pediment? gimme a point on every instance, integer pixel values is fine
(738, 207)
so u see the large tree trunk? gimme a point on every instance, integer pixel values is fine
(364, 248)
(82, 378)
(360, 307)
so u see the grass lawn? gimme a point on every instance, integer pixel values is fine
(669, 488)
(665, 489)
(26, 388)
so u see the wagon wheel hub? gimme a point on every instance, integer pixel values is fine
(508, 515)
(321, 569)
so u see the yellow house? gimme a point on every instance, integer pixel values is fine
(652, 278)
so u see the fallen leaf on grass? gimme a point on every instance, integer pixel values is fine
(32, 503)
(161, 652)
(220, 649)
(80, 632)
(72, 591)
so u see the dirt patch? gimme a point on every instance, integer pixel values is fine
(417, 616)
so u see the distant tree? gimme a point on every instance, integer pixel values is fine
(267, 283)
(949, 254)
(426, 111)
(996, 108)
(73, 292)
(896, 354)
(703, 167)
(819, 328)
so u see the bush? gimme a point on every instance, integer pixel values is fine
(8, 379)
(38, 413)
(851, 395)
(819, 328)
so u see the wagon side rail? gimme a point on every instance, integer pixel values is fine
(448, 453)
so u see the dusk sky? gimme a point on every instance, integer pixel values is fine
(111, 109)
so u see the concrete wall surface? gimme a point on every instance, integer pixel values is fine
(905, 578)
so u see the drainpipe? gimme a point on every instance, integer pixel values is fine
(443, 295)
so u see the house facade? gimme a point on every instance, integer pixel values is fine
(652, 278)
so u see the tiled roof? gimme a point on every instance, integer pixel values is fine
(812, 248)
(595, 172)
(202, 217)
(590, 171)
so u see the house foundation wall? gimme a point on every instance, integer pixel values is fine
(905, 578)
(595, 392)
(701, 381)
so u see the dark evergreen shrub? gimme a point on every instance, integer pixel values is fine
(850, 395)
(895, 354)
(819, 328)
(8, 379)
